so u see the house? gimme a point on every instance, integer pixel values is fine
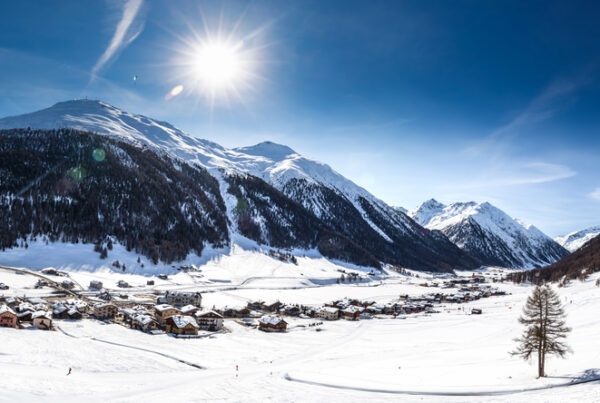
(292, 310)
(105, 311)
(96, 285)
(270, 323)
(50, 272)
(235, 312)
(209, 320)
(123, 284)
(476, 311)
(105, 296)
(3, 286)
(8, 317)
(351, 313)
(41, 320)
(145, 323)
(74, 314)
(60, 311)
(255, 305)
(272, 307)
(164, 311)
(179, 298)
(150, 282)
(329, 313)
(181, 325)
(68, 284)
(163, 277)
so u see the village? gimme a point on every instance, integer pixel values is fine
(181, 314)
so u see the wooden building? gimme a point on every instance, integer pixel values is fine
(272, 324)
(181, 325)
(8, 317)
(164, 311)
(209, 320)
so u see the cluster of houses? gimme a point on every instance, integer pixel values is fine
(178, 313)
(17, 313)
(181, 314)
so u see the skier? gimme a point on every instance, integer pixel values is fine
(69, 373)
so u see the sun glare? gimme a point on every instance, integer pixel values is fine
(217, 65)
(220, 61)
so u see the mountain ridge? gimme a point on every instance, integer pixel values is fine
(489, 233)
(390, 235)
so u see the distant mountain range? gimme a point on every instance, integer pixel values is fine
(267, 192)
(577, 239)
(489, 234)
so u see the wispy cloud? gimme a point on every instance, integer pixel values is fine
(512, 173)
(125, 33)
(554, 98)
(595, 194)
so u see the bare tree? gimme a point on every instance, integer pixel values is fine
(545, 329)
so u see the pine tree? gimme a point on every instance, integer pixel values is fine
(545, 329)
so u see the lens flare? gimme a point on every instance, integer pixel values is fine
(77, 173)
(99, 155)
(174, 92)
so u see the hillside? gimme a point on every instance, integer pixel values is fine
(578, 265)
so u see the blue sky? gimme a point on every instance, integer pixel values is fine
(466, 100)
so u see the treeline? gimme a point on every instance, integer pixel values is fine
(73, 186)
(578, 265)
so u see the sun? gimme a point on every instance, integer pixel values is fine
(220, 69)
(217, 65)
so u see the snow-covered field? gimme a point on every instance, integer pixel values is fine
(448, 353)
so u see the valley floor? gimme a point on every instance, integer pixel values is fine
(449, 356)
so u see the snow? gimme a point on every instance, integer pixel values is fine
(577, 239)
(408, 359)
(520, 238)
(277, 164)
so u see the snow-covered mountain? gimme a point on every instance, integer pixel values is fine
(341, 206)
(577, 239)
(489, 234)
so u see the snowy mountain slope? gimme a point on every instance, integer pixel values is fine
(339, 203)
(489, 234)
(577, 239)
(53, 189)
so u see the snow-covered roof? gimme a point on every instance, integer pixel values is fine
(5, 308)
(351, 309)
(271, 320)
(59, 308)
(329, 309)
(164, 307)
(143, 319)
(103, 305)
(182, 321)
(188, 308)
(200, 314)
(40, 314)
(182, 294)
